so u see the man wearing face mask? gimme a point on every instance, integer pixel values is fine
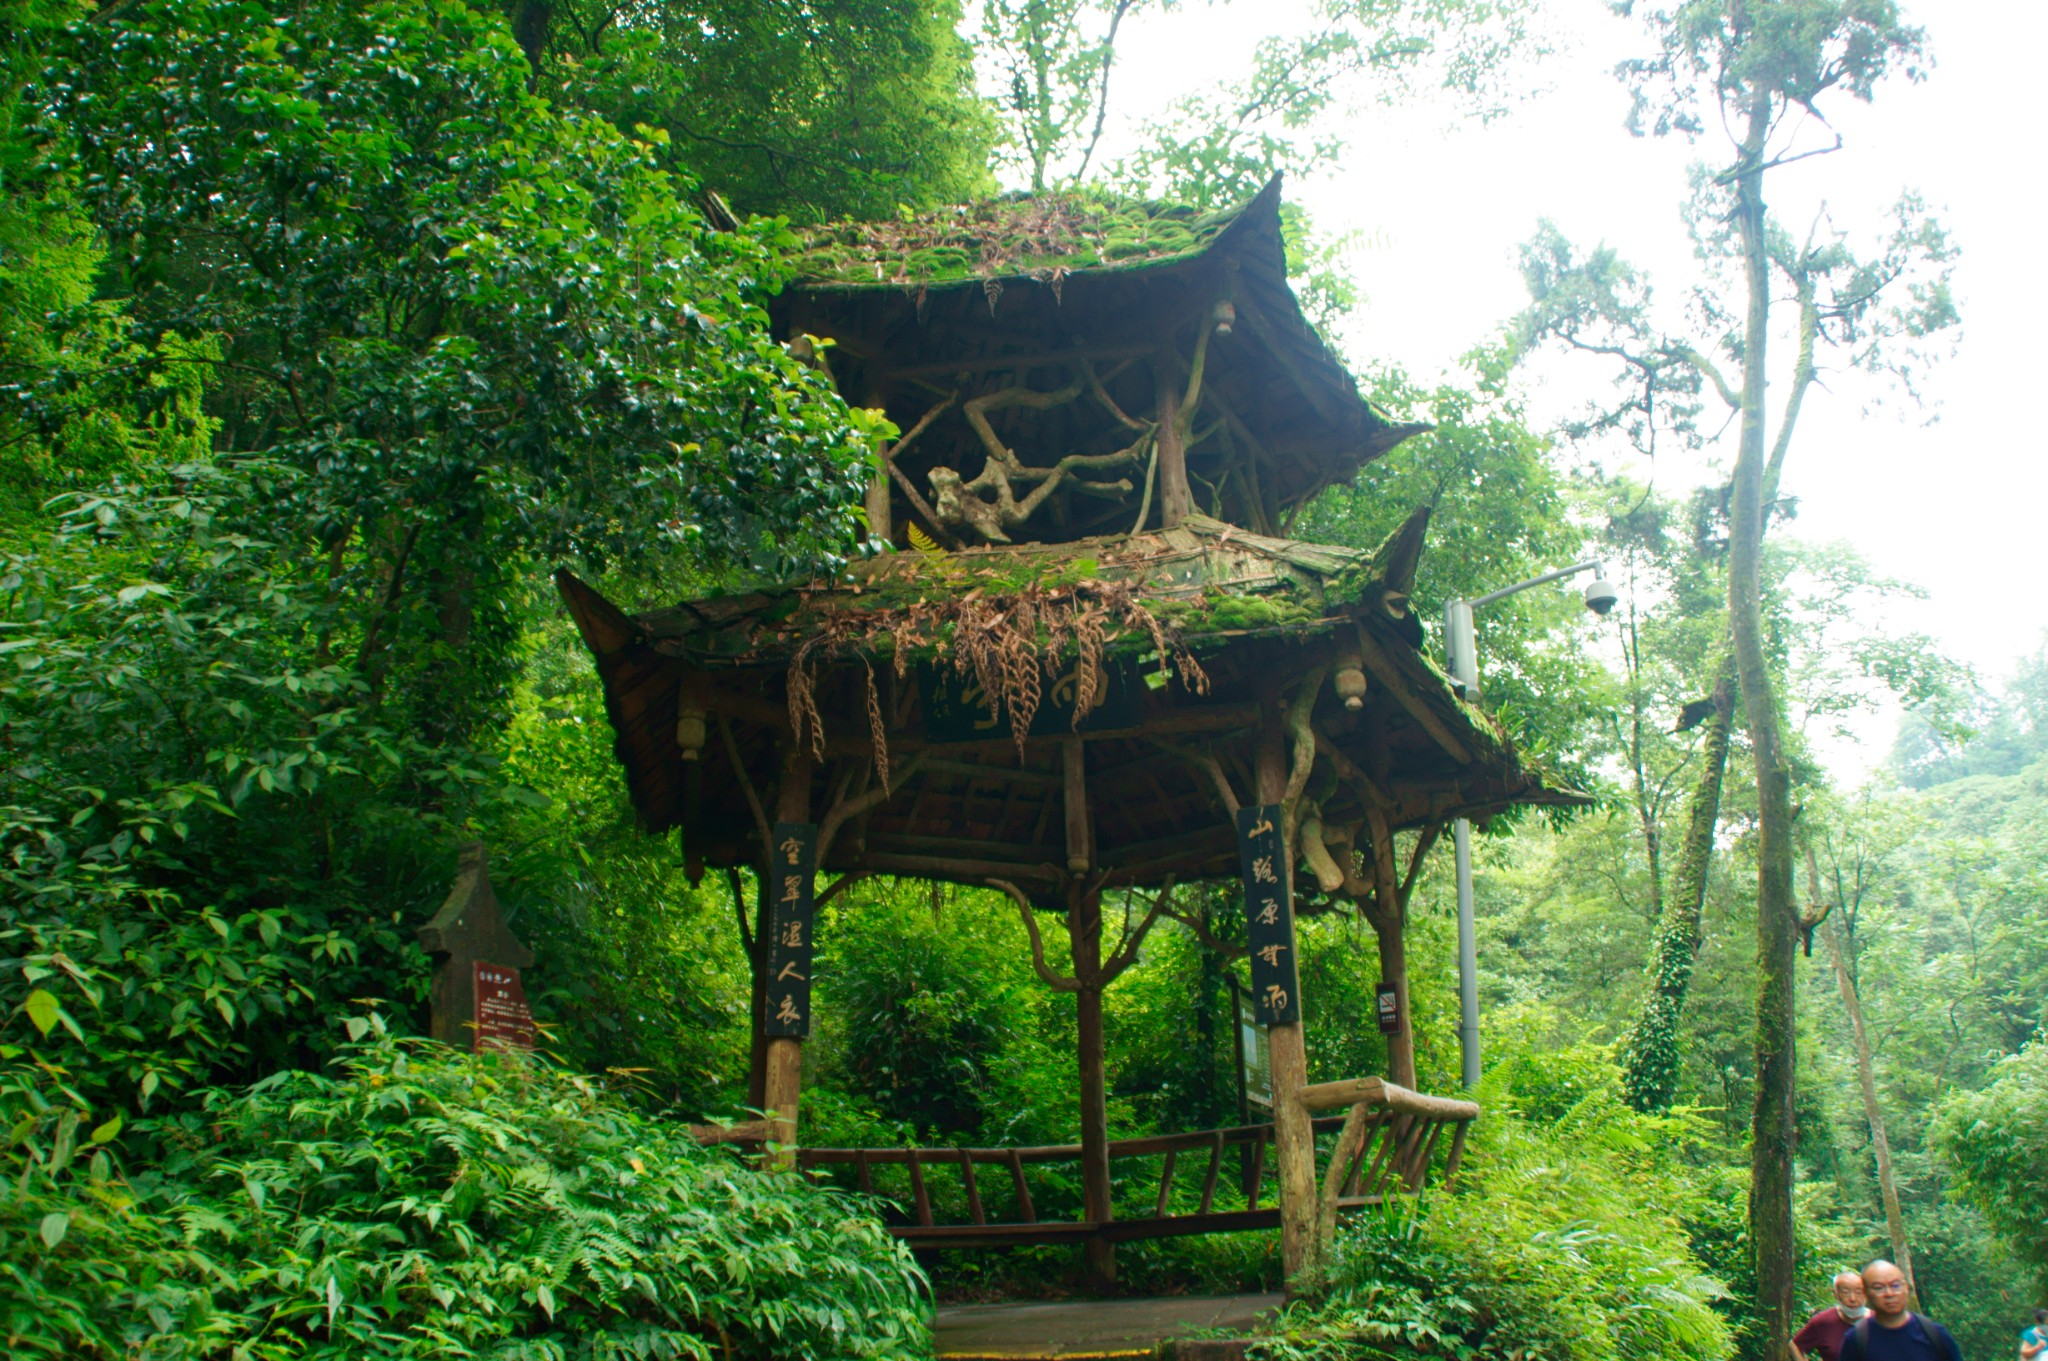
(1822, 1336)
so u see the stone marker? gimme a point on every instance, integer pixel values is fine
(479, 1002)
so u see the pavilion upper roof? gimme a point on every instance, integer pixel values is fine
(1063, 324)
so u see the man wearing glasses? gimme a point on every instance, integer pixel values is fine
(1892, 1332)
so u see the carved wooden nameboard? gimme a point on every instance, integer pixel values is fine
(792, 924)
(1269, 915)
(479, 1001)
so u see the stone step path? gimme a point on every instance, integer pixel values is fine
(1097, 1330)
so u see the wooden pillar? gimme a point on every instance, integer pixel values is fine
(1084, 928)
(782, 1070)
(1389, 919)
(1176, 497)
(1293, 1136)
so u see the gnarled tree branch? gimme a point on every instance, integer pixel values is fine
(1055, 980)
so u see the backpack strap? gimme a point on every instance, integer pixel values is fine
(1861, 1332)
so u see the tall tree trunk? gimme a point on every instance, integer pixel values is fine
(1650, 1060)
(1841, 952)
(1777, 918)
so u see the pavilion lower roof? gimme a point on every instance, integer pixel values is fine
(970, 801)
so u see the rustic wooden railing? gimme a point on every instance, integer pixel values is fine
(1383, 1146)
(1405, 1127)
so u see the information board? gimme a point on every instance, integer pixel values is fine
(503, 1020)
(1254, 1050)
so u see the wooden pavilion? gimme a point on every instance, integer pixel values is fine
(1083, 657)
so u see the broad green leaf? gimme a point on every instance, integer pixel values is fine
(53, 1228)
(42, 1010)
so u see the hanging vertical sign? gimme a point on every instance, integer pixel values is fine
(1388, 1000)
(791, 919)
(1269, 915)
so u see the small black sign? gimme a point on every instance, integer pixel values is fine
(1389, 999)
(957, 709)
(1269, 915)
(791, 920)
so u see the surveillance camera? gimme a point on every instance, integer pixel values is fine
(1601, 595)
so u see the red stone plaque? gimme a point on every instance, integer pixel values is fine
(503, 1020)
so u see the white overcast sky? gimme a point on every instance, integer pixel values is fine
(1955, 506)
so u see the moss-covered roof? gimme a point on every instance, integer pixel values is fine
(1044, 236)
(1183, 631)
(1204, 577)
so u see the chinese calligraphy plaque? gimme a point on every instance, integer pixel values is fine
(792, 917)
(1269, 915)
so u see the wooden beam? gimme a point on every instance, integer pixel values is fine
(959, 871)
(1389, 675)
(1284, 356)
(1323, 1096)
(1039, 359)
(1043, 779)
(1074, 793)
(1193, 719)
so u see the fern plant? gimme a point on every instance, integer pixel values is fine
(425, 1203)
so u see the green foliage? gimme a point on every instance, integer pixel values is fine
(1996, 1139)
(194, 799)
(423, 1204)
(1503, 512)
(487, 326)
(1789, 52)
(920, 1011)
(845, 108)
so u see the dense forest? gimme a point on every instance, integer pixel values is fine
(329, 331)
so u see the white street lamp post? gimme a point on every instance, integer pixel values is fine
(1461, 656)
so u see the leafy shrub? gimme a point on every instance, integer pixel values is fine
(1562, 1242)
(1996, 1138)
(425, 1203)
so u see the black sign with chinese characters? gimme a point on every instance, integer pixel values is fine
(1389, 1000)
(1269, 915)
(791, 919)
(956, 709)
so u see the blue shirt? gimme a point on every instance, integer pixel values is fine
(1920, 1339)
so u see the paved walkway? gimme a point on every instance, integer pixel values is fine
(1087, 1328)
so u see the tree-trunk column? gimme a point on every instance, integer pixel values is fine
(1389, 918)
(1176, 496)
(1084, 928)
(1293, 1136)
